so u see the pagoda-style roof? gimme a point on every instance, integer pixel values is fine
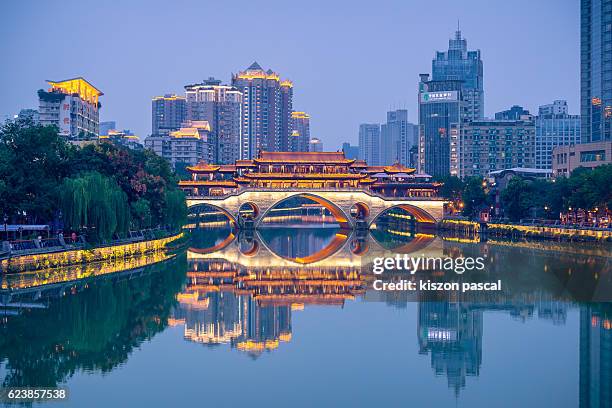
(360, 164)
(202, 167)
(245, 163)
(393, 169)
(303, 157)
(306, 176)
(227, 168)
(207, 183)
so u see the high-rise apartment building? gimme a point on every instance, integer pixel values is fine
(554, 127)
(485, 146)
(167, 114)
(369, 143)
(397, 138)
(267, 104)
(441, 107)
(514, 113)
(459, 64)
(71, 105)
(596, 70)
(221, 106)
(300, 132)
(186, 146)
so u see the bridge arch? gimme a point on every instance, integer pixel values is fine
(420, 215)
(339, 215)
(194, 208)
(340, 239)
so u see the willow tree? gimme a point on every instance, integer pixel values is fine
(94, 202)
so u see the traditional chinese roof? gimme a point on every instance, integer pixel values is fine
(393, 169)
(227, 168)
(207, 183)
(303, 157)
(305, 176)
(359, 164)
(202, 167)
(398, 168)
(245, 163)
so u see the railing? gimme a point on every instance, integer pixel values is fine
(311, 190)
(61, 243)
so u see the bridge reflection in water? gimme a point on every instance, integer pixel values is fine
(240, 291)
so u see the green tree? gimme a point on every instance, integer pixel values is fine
(452, 188)
(474, 196)
(94, 202)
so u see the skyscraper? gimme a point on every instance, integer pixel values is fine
(71, 105)
(267, 104)
(441, 108)
(554, 127)
(300, 132)
(369, 143)
(219, 105)
(397, 137)
(167, 114)
(459, 64)
(596, 70)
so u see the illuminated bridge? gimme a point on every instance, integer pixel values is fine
(347, 206)
(353, 192)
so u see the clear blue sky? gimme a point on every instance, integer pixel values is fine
(350, 61)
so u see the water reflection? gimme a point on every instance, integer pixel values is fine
(242, 292)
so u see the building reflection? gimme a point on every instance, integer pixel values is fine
(596, 356)
(451, 332)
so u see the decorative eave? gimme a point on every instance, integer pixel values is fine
(202, 167)
(245, 163)
(303, 158)
(204, 183)
(305, 176)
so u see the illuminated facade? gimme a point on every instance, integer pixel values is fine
(121, 137)
(267, 104)
(71, 105)
(186, 146)
(306, 170)
(221, 106)
(300, 132)
(168, 112)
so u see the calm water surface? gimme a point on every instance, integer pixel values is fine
(288, 317)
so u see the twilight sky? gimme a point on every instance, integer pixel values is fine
(349, 62)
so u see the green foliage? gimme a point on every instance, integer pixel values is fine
(175, 212)
(34, 161)
(94, 202)
(141, 213)
(474, 196)
(452, 187)
(518, 199)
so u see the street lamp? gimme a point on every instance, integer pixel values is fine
(6, 226)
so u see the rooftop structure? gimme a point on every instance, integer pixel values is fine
(306, 170)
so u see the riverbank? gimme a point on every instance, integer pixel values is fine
(37, 261)
(520, 230)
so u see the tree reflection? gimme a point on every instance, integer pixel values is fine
(92, 330)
